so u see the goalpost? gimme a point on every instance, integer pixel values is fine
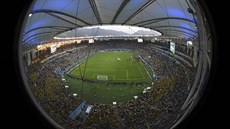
(102, 77)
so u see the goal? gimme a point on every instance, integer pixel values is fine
(102, 77)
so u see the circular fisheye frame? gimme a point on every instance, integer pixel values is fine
(115, 64)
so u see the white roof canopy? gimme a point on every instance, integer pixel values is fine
(49, 18)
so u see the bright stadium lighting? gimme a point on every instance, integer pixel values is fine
(189, 43)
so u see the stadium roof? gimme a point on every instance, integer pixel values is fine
(49, 18)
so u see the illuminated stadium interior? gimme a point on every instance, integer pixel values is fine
(115, 63)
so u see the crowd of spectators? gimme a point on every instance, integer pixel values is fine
(158, 108)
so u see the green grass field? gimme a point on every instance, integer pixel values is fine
(118, 67)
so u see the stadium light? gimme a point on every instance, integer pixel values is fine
(189, 43)
(30, 14)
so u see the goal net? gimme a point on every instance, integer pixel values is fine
(102, 77)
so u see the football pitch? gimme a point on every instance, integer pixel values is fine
(110, 67)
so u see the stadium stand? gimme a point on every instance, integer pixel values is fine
(168, 92)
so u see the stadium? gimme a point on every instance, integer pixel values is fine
(115, 64)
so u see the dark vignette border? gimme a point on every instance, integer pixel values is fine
(44, 117)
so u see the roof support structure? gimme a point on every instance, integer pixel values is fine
(37, 35)
(30, 41)
(62, 31)
(52, 14)
(59, 12)
(48, 27)
(156, 27)
(139, 10)
(122, 6)
(182, 32)
(178, 34)
(154, 21)
(49, 30)
(147, 22)
(95, 10)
